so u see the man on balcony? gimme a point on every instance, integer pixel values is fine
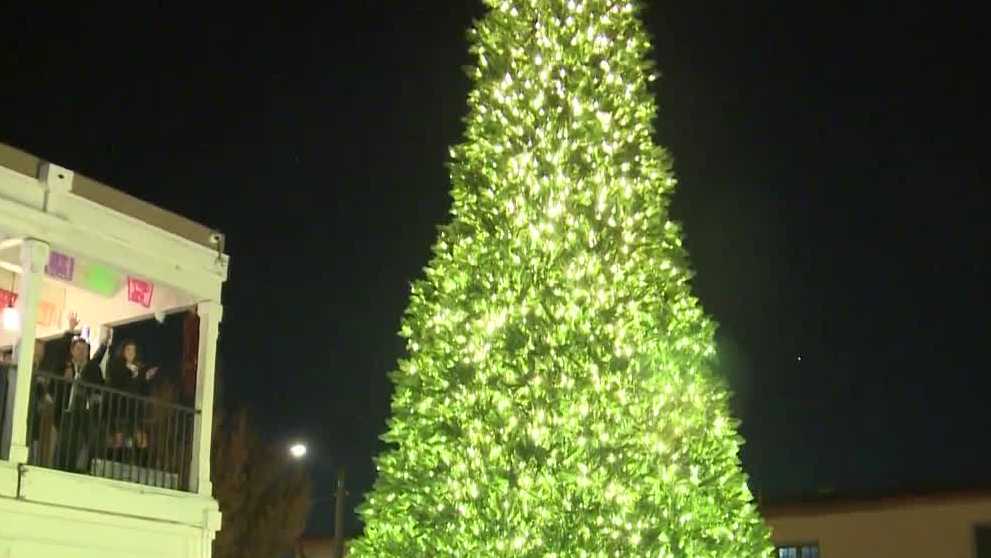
(79, 425)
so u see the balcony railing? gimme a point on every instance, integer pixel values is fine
(100, 431)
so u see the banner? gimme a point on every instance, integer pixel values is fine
(7, 298)
(99, 279)
(61, 266)
(88, 275)
(140, 291)
(48, 314)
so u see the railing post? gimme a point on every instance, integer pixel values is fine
(210, 314)
(34, 256)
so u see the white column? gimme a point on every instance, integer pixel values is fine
(210, 314)
(34, 256)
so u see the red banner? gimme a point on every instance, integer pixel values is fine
(7, 298)
(140, 291)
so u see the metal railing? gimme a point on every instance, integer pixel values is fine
(100, 431)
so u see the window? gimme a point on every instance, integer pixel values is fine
(808, 550)
(982, 541)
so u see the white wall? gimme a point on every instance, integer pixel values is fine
(29, 530)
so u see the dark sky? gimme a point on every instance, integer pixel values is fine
(833, 187)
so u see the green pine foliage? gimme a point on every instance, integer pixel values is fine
(559, 399)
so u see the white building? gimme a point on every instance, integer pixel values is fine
(69, 244)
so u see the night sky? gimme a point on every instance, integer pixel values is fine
(833, 188)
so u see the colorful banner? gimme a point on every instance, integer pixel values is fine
(47, 314)
(140, 291)
(61, 266)
(99, 279)
(7, 298)
(88, 275)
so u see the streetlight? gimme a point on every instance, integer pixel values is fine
(297, 450)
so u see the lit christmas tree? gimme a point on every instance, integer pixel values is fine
(559, 398)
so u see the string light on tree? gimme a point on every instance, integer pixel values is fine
(558, 398)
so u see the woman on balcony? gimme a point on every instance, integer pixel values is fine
(128, 374)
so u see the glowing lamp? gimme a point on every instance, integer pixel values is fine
(297, 451)
(11, 318)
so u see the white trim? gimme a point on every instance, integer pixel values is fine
(13, 268)
(127, 229)
(20, 188)
(30, 529)
(83, 492)
(9, 243)
(210, 314)
(34, 255)
(84, 242)
(8, 479)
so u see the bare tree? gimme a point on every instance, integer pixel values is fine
(265, 499)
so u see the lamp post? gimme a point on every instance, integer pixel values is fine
(298, 451)
(339, 514)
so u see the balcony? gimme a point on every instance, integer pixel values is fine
(95, 408)
(91, 429)
(110, 317)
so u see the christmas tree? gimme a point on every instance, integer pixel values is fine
(558, 399)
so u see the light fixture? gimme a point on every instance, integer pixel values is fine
(11, 317)
(297, 451)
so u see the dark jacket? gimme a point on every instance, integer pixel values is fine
(91, 373)
(121, 377)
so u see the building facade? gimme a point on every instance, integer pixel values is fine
(947, 525)
(318, 547)
(90, 465)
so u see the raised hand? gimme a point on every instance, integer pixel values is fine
(73, 321)
(151, 372)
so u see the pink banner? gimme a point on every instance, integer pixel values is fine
(140, 291)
